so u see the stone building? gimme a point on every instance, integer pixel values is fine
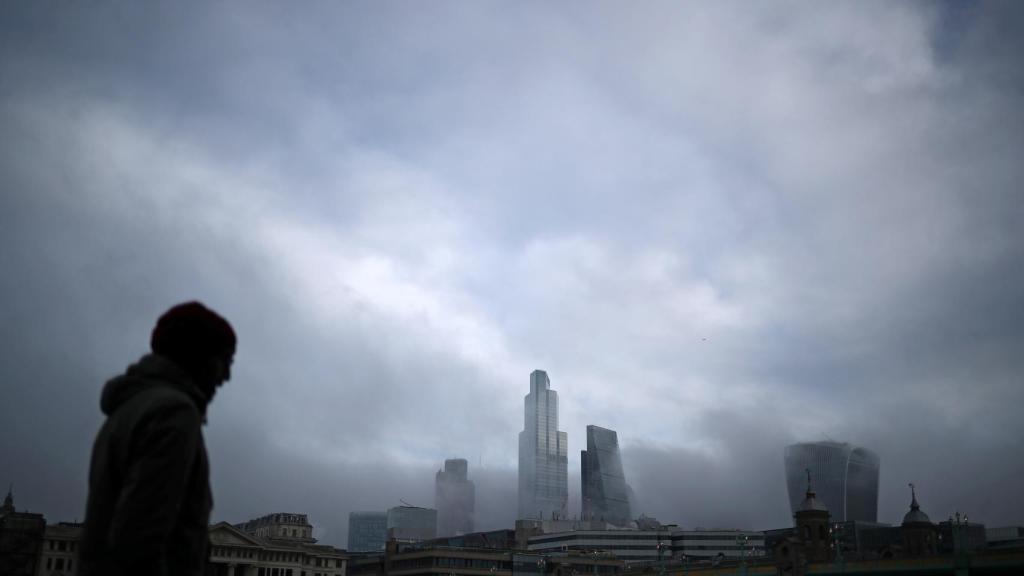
(280, 526)
(920, 536)
(234, 552)
(21, 537)
(59, 551)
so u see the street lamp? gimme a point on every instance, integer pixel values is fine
(837, 545)
(960, 530)
(741, 543)
(661, 561)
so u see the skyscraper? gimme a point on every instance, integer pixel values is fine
(454, 498)
(845, 478)
(367, 531)
(543, 455)
(604, 492)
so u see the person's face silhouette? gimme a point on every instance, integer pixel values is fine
(216, 370)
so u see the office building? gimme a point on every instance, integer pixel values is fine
(367, 531)
(604, 493)
(412, 523)
(454, 499)
(845, 478)
(543, 455)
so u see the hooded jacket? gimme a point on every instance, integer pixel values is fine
(149, 501)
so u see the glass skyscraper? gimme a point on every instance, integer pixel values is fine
(604, 492)
(367, 531)
(412, 523)
(543, 455)
(845, 478)
(454, 498)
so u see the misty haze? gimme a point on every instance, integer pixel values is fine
(584, 262)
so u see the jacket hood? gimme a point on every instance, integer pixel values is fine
(151, 371)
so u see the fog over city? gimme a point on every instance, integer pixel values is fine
(719, 227)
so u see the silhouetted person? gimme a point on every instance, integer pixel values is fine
(149, 479)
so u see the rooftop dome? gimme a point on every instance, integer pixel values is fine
(915, 515)
(811, 502)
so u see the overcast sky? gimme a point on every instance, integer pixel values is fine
(720, 227)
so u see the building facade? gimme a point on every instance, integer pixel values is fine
(454, 498)
(653, 545)
(845, 478)
(234, 552)
(604, 493)
(21, 537)
(367, 531)
(60, 549)
(543, 455)
(411, 523)
(280, 526)
(703, 543)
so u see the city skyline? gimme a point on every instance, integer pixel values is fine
(721, 228)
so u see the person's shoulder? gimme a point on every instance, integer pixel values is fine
(166, 401)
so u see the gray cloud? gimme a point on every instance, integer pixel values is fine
(720, 229)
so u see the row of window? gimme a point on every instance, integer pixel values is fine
(228, 552)
(58, 564)
(727, 536)
(62, 545)
(649, 537)
(284, 572)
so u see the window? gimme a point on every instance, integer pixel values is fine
(60, 564)
(62, 545)
(49, 563)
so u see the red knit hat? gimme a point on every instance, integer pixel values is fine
(191, 332)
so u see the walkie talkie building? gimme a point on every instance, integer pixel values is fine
(845, 478)
(543, 455)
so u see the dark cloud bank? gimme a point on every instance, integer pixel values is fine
(719, 229)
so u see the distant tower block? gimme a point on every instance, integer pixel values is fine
(845, 478)
(543, 455)
(454, 498)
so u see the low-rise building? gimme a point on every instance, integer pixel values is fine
(21, 538)
(59, 553)
(234, 552)
(412, 523)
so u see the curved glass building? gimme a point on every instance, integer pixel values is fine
(844, 476)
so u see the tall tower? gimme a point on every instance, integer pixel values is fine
(543, 455)
(846, 478)
(454, 498)
(604, 491)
